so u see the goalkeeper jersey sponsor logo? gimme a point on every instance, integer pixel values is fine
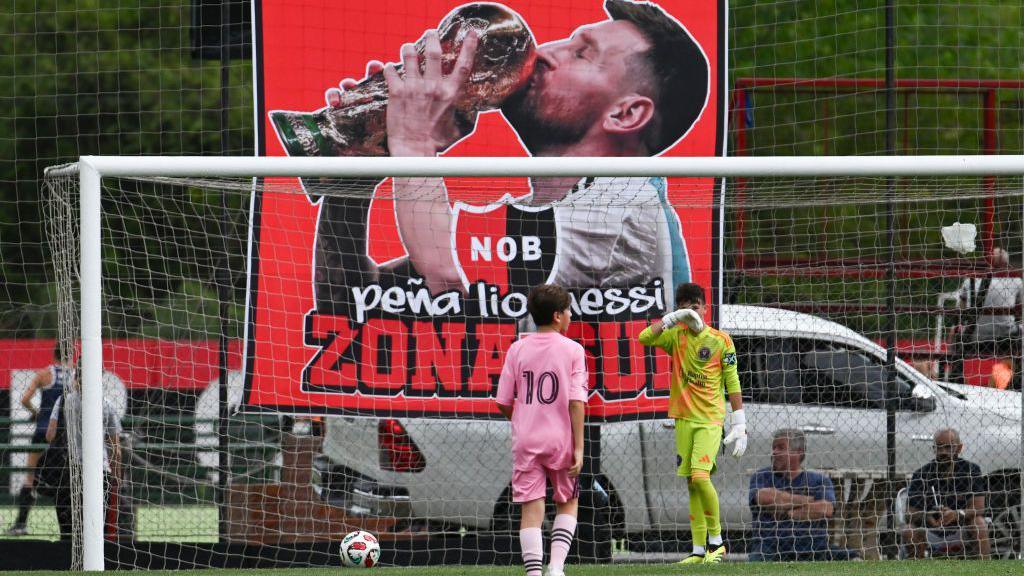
(698, 378)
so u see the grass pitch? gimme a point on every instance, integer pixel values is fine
(152, 523)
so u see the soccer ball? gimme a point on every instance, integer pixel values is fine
(360, 548)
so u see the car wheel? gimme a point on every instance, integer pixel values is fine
(1004, 533)
(507, 514)
(506, 518)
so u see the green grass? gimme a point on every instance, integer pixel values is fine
(153, 523)
(923, 568)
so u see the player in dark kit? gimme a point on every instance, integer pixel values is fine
(49, 382)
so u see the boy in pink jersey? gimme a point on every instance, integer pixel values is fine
(543, 390)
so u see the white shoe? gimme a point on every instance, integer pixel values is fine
(551, 572)
(16, 530)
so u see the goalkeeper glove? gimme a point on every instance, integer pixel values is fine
(737, 433)
(684, 316)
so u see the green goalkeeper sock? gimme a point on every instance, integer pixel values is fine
(698, 526)
(702, 487)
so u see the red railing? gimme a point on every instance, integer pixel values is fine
(986, 89)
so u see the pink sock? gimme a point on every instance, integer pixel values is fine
(533, 550)
(561, 540)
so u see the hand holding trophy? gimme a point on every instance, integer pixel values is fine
(501, 63)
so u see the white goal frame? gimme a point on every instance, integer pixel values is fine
(92, 169)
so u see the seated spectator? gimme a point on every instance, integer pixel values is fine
(986, 327)
(792, 506)
(947, 503)
(994, 292)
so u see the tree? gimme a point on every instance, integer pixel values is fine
(81, 77)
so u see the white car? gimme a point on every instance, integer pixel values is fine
(796, 371)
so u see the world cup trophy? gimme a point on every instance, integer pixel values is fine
(502, 64)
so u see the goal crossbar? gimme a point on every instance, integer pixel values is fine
(738, 167)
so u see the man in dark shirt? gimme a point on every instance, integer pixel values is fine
(947, 504)
(791, 506)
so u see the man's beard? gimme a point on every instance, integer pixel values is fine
(543, 121)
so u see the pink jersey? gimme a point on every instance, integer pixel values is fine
(542, 373)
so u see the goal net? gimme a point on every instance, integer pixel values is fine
(286, 361)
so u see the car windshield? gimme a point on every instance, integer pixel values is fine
(853, 377)
(802, 371)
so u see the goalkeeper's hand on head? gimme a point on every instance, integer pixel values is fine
(737, 433)
(690, 318)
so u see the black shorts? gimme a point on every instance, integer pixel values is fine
(39, 437)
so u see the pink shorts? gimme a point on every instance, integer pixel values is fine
(529, 483)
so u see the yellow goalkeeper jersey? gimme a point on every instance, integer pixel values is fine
(703, 372)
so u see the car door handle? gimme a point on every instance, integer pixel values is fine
(817, 429)
(670, 425)
(921, 437)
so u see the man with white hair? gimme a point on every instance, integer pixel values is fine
(989, 327)
(994, 292)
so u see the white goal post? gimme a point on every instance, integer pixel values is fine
(91, 171)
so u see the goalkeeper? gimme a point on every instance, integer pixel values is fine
(703, 363)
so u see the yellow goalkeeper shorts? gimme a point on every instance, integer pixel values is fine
(696, 446)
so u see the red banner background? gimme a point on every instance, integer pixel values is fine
(304, 48)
